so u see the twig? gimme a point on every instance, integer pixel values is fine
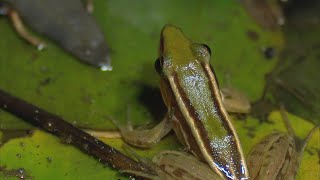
(70, 134)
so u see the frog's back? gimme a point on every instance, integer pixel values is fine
(201, 121)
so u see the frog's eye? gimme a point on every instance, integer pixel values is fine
(158, 65)
(208, 48)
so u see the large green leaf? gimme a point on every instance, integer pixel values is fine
(44, 157)
(85, 96)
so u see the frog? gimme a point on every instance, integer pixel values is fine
(196, 112)
(178, 59)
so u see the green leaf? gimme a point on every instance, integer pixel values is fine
(43, 156)
(85, 96)
(1, 134)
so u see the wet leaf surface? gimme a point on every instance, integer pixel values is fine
(86, 96)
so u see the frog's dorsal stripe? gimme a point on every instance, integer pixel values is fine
(213, 83)
(232, 170)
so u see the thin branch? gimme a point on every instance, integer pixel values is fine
(70, 134)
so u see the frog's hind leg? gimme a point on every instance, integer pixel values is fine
(305, 142)
(19, 27)
(286, 121)
(291, 132)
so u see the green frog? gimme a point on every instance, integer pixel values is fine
(196, 111)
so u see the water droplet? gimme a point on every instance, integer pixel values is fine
(41, 46)
(21, 170)
(50, 126)
(106, 68)
(49, 159)
(21, 144)
(86, 147)
(68, 140)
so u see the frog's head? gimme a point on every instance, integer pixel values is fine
(176, 50)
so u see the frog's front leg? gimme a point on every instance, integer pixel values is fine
(146, 137)
(235, 101)
(19, 26)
